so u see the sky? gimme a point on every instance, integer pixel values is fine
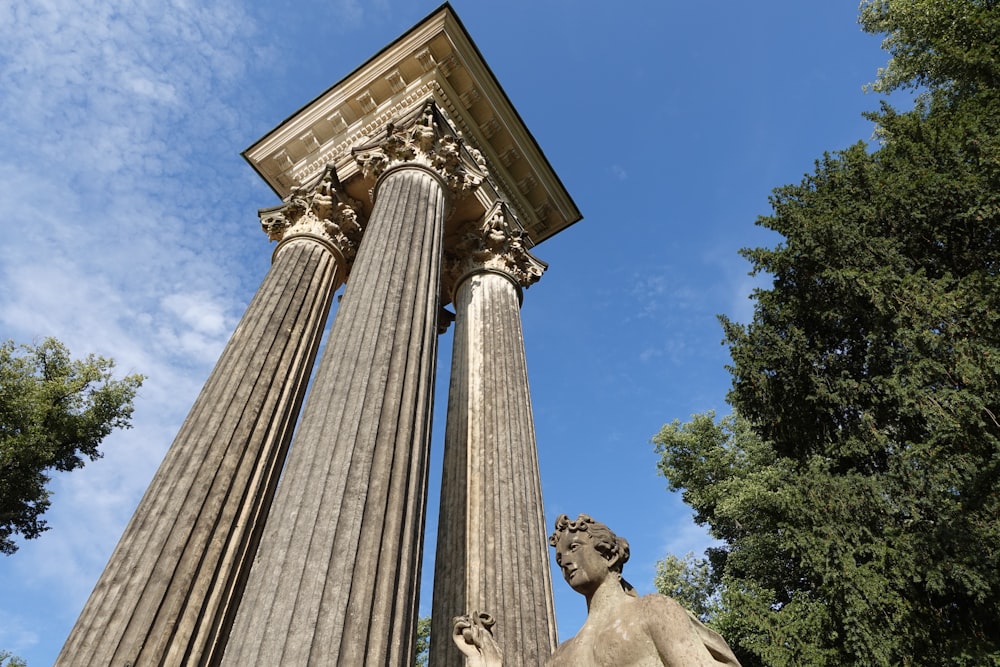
(132, 229)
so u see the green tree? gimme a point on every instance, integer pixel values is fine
(8, 659)
(688, 580)
(856, 487)
(740, 489)
(54, 413)
(946, 45)
(423, 641)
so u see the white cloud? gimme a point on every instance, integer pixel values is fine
(123, 238)
(649, 354)
(15, 634)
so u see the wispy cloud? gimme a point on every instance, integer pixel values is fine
(124, 239)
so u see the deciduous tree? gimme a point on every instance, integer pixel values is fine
(423, 641)
(54, 413)
(8, 659)
(689, 581)
(945, 45)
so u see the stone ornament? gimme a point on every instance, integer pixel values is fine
(320, 211)
(621, 627)
(473, 635)
(494, 245)
(427, 139)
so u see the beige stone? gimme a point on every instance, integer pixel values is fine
(382, 179)
(168, 592)
(622, 629)
(491, 534)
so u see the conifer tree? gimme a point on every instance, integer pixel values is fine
(857, 487)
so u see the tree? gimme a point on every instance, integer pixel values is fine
(739, 488)
(953, 45)
(688, 580)
(54, 413)
(8, 659)
(855, 487)
(423, 641)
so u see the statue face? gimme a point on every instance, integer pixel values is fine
(583, 567)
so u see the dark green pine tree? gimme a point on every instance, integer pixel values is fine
(858, 489)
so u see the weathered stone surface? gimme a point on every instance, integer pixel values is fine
(436, 60)
(491, 533)
(621, 630)
(473, 634)
(336, 577)
(495, 245)
(164, 597)
(427, 139)
(321, 211)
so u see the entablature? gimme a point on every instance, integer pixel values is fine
(435, 60)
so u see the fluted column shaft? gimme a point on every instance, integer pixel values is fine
(165, 596)
(491, 551)
(336, 578)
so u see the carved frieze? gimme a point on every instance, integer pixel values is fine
(322, 211)
(428, 139)
(497, 245)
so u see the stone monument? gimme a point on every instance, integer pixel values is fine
(414, 182)
(621, 629)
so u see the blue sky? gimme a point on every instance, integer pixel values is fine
(132, 229)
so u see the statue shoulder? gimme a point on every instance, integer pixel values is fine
(567, 655)
(667, 621)
(662, 605)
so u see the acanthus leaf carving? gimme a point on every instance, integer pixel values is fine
(321, 210)
(496, 244)
(429, 139)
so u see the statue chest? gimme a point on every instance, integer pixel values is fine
(614, 643)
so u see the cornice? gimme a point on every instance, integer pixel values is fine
(436, 60)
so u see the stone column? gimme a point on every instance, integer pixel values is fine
(166, 595)
(492, 554)
(337, 575)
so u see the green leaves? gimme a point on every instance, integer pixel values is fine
(857, 486)
(8, 659)
(688, 580)
(54, 413)
(422, 651)
(951, 45)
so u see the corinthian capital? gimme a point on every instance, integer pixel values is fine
(428, 139)
(322, 211)
(494, 245)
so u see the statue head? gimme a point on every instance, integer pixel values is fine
(581, 571)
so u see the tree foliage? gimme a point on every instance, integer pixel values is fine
(689, 581)
(8, 659)
(54, 413)
(423, 641)
(952, 44)
(856, 487)
(739, 488)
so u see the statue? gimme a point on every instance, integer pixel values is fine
(474, 639)
(621, 629)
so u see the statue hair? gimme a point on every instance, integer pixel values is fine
(613, 548)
